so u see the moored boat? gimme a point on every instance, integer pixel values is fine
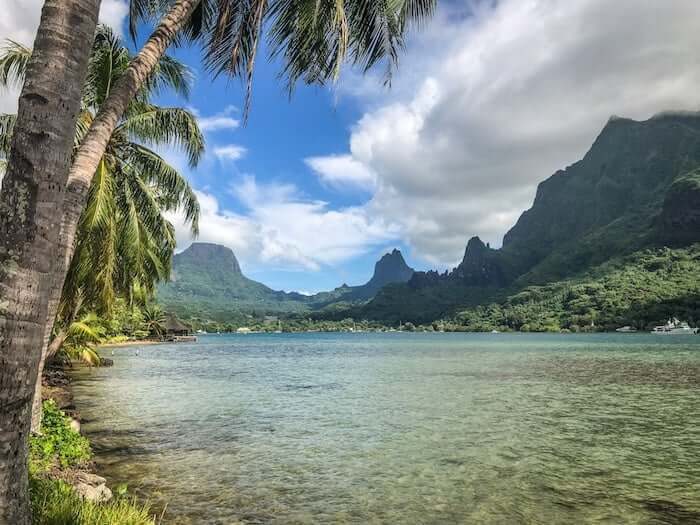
(675, 327)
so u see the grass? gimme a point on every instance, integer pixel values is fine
(54, 502)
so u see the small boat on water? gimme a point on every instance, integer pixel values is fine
(675, 327)
(626, 329)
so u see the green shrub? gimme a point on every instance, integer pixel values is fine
(56, 503)
(58, 443)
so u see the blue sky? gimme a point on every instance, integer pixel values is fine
(271, 148)
(490, 99)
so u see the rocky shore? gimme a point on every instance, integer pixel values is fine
(56, 385)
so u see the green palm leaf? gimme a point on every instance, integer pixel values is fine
(14, 58)
(177, 127)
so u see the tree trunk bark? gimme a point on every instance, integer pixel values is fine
(49, 348)
(30, 204)
(37, 410)
(95, 142)
(93, 147)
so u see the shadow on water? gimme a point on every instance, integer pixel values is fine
(670, 513)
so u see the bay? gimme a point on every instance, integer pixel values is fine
(403, 428)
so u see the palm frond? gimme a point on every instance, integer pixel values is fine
(14, 58)
(314, 38)
(176, 127)
(170, 74)
(174, 192)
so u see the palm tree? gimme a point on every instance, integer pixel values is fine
(313, 38)
(154, 320)
(82, 337)
(31, 200)
(124, 243)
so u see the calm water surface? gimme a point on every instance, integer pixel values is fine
(404, 428)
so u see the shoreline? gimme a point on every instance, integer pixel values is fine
(141, 342)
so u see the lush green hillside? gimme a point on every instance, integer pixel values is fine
(637, 188)
(208, 283)
(585, 251)
(640, 290)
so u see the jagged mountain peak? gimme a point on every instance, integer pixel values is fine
(391, 268)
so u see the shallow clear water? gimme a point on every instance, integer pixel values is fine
(404, 428)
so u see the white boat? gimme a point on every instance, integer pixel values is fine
(675, 327)
(626, 329)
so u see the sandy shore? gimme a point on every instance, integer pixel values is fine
(144, 342)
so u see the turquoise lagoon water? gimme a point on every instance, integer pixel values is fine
(404, 428)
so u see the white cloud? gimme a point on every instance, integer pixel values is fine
(283, 229)
(230, 152)
(488, 105)
(341, 171)
(220, 121)
(19, 22)
(114, 13)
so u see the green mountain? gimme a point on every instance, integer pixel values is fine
(640, 290)
(390, 269)
(207, 282)
(637, 188)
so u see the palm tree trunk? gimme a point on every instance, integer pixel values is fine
(78, 184)
(37, 411)
(92, 149)
(95, 142)
(49, 349)
(30, 203)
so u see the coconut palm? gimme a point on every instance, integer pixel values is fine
(312, 37)
(82, 337)
(124, 243)
(154, 320)
(123, 239)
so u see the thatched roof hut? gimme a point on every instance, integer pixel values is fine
(173, 326)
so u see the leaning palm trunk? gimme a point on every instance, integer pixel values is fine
(93, 146)
(90, 153)
(30, 207)
(49, 348)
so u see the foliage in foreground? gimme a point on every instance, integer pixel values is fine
(56, 503)
(58, 445)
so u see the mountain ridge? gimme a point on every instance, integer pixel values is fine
(207, 279)
(637, 187)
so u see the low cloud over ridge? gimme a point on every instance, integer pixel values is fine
(499, 100)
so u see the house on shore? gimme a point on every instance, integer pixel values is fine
(177, 331)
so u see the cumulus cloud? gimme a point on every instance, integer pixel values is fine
(281, 228)
(230, 152)
(500, 97)
(220, 121)
(342, 171)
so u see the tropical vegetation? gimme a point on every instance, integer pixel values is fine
(54, 502)
(124, 242)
